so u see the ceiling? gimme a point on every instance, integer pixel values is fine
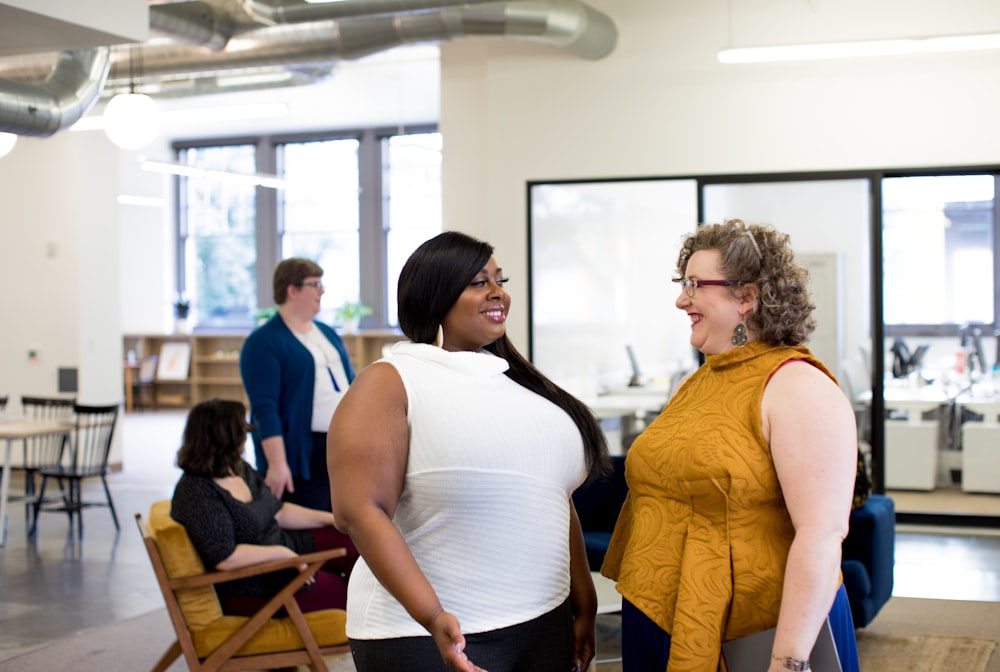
(57, 61)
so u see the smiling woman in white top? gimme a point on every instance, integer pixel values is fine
(453, 463)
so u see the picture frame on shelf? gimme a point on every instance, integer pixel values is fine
(175, 361)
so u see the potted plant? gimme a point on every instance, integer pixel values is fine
(182, 308)
(264, 314)
(349, 315)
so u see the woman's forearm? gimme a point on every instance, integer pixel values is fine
(294, 517)
(245, 555)
(389, 557)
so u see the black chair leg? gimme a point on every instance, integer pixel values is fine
(37, 506)
(111, 504)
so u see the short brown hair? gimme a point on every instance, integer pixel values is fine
(292, 272)
(759, 255)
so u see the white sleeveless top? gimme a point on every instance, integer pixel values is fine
(485, 503)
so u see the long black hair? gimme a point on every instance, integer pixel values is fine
(430, 283)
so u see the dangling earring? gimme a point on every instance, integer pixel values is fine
(439, 339)
(739, 335)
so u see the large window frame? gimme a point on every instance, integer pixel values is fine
(373, 212)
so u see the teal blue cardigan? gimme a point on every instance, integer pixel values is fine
(279, 374)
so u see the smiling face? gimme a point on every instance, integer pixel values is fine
(479, 316)
(713, 310)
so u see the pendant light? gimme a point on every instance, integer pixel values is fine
(131, 119)
(7, 142)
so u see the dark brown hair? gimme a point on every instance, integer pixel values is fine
(291, 272)
(431, 281)
(214, 435)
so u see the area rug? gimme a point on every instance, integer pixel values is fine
(934, 653)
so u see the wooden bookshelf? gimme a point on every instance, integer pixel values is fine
(214, 369)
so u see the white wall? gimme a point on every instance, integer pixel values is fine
(660, 104)
(77, 270)
(511, 112)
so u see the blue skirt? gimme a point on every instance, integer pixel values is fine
(647, 647)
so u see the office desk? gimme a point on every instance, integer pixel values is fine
(629, 407)
(911, 443)
(130, 372)
(980, 444)
(20, 430)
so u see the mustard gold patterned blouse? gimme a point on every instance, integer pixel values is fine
(701, 543)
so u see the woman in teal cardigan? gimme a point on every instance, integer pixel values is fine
(295, 370)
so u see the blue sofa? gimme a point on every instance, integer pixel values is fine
(598, 505)
(868, 557)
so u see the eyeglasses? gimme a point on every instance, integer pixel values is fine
(318, 285)
(690, 285)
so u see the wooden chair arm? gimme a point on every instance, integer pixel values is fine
(313, 560)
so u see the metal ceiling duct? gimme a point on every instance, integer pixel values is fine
(60, 100)
(209, 40)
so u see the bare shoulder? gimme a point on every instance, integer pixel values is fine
(380, 378)
(798, 385)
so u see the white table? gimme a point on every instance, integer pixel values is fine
(911, 443)
(20, 430)
(980, 444)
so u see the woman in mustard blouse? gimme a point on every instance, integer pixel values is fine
(740, 492)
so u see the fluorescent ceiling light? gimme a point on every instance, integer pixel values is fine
(258, 180)
(142, 201)
(195, 115)
(808, 52)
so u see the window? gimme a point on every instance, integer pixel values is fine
(938, 242)
(358, 204)
(218, 234)
(318, 214)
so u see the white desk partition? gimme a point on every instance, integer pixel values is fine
(911, 443)
(981, 446)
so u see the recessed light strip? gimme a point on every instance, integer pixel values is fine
(808, 52)
(203, 114)
(193, 172)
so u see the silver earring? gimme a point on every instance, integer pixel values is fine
(739, 335)
(439, 339)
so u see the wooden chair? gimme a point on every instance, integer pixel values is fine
(210, 640)
(90, 445)
(41, 452)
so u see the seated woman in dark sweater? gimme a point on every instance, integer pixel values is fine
(234, 521)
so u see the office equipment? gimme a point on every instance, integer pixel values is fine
(753, 652)
(636, 379)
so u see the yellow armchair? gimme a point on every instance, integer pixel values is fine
(210, 640)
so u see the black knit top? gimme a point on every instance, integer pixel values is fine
(216, 522)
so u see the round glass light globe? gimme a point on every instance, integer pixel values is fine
(7, 142)
(131, 120)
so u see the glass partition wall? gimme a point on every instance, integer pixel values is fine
(929, 242)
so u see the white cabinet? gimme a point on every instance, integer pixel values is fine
(981, 448)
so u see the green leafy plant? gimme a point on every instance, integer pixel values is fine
(353, 310)
(262, 315)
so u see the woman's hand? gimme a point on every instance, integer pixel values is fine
(584, 645)
(447, 634)
(278, 479)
